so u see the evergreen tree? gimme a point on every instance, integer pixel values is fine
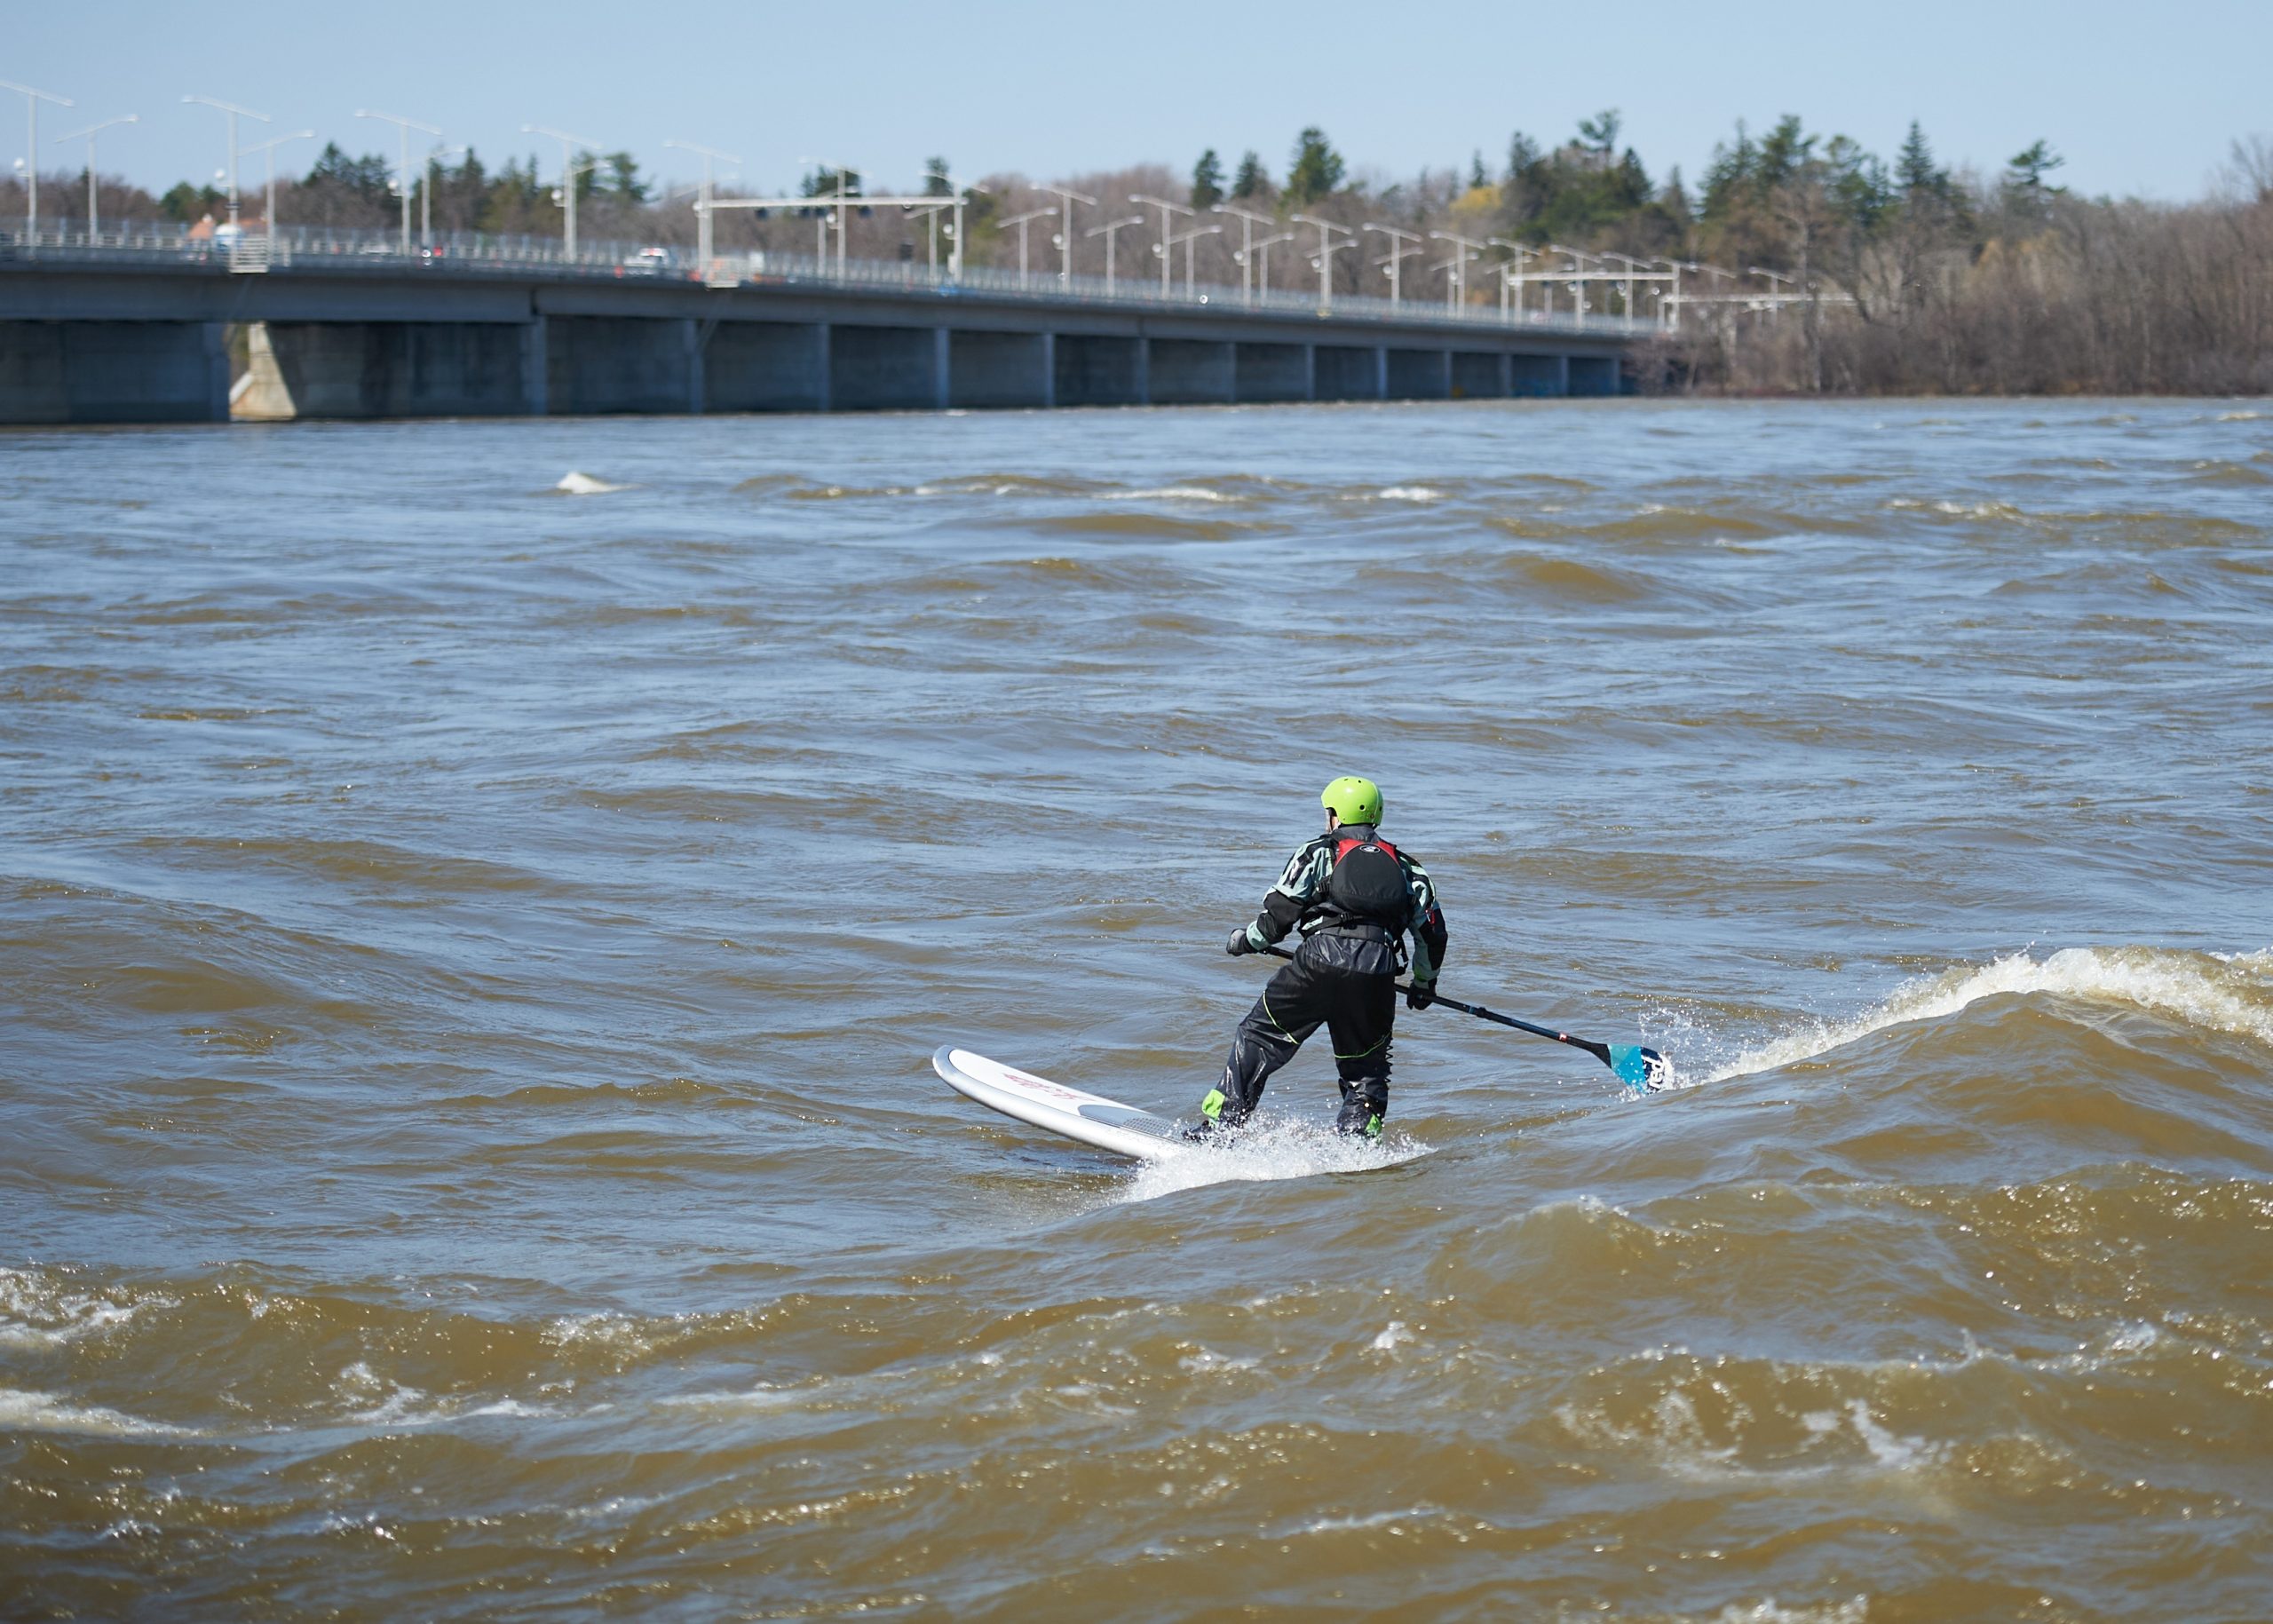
(186, 203)
(366, 178)
(1914, 168)
(822, 183)
(1860, 191)
(937, 180)
(1317, 169)
(1206, 180)
(1784, 152)
(1600, 133)
(1253, 180)
(623, 182)
(1476, 178)
(2027, 169)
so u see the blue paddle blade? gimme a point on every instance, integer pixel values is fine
(1642, 1069)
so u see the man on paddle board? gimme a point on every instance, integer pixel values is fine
(1355, 897)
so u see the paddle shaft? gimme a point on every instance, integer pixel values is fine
(1600, 1051)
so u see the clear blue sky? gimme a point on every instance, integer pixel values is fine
(2141, 99)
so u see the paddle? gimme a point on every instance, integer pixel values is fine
(1642, 1069)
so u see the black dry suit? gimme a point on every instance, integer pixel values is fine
(1355, 896)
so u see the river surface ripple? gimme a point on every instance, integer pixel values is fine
(470, 953)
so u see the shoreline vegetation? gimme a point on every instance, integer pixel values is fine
(1808, 265)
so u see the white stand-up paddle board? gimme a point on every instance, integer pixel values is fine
(1105, 1123)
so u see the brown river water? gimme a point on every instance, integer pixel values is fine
(469, 955)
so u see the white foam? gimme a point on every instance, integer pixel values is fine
(575, 484)
(1170, 493)
(2224, 995)
(35, 1412)
(2239, 417)
(1269, 1151)
(1767, 1611)
(1411, 493)
(1393, 1336)
(1887, 1449)
(36, 1313)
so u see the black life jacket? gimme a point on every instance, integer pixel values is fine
(1368, 883)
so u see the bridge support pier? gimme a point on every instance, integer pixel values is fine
(766, 367)
(1269, 373)
(1477, 378)
(887, 368)
(1539, 374)
(1418, 375)
(601, 365)
(1192, 372)
(1593, 374)
(1346, 372)
(535, 372)
(1001, 369)
(113, 372)
(1095, 369)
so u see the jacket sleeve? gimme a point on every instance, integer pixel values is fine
(1286, 903)
(1427, 924)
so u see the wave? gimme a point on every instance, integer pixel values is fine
(36, 1311)
(37, 1412)
(2228, 993)
(1172, 493)
(1159, 527)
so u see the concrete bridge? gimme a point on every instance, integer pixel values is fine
(106, 336)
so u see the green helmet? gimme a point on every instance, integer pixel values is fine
(1353, 800)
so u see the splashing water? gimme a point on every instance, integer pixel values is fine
(2230, 994)
(1269, 1151)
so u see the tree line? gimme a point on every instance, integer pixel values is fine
(1896, 273)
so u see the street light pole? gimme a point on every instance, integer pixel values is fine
(1395, 254)
(1263, 263)
(568, 172)
(1511, 274)
(1068, 197)
(1774, 296)
(1021, 221)
(1188, 239)
(403, 126)
(704, 237)
(1168, 211)
(1248, 220)
(845, 176)
(234, 113)
(1463, 250)
(1107, 231)
(1578, 258)
(1326, 249)
(269, 149)
(32, 99)
(88, 133)
(959, 197)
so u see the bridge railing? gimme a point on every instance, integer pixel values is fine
(470, 253)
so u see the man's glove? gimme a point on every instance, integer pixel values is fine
(1420, 994)
(1240, 942)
